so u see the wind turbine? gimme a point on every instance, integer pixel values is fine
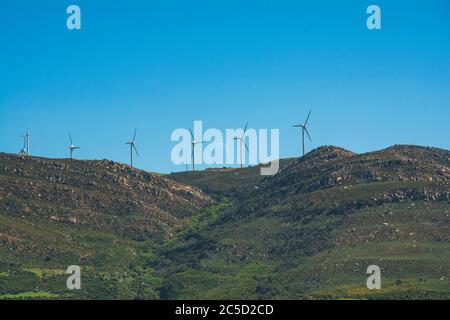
(304, 129)
(132, 146)
(72, 147)
(242, 142)
(193, 144)
(26, 144)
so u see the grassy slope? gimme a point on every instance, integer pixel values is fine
(260, 257)
(250, 244)
(111, 265)
(266, 257)
(115, 236)
(294, 241)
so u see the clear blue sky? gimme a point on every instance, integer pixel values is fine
(160, 65)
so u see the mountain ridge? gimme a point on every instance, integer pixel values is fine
(308, 232)
(94, 187)
(314, 228)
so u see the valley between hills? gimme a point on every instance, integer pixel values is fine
(309, 232)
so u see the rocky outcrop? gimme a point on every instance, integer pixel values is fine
(101, 195)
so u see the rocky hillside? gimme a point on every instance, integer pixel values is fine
(312, 230)
(330, 166)
(99, 215)
(309, 232)
(398, 172)
(95, 195)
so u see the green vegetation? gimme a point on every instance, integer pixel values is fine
(309, 232)
(29, 295)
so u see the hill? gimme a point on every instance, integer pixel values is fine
(312, 230)
(309, 232)
(55, 213)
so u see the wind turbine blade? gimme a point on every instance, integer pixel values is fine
(245, 129)
(135, 150)
(307, 133)
(245, 146)
(134, 136)
(307, 118)
(192, 135)
(70, 137)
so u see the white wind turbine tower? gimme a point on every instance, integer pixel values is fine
(304, 129)
(26, 144)
(242, 142)
(193, 144)
(72, 147)
(133, 147)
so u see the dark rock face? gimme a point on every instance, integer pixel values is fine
(98, 195)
